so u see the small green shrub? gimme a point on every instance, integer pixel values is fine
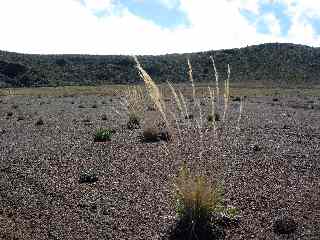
(103, 135)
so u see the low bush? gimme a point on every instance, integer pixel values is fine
(103, 135)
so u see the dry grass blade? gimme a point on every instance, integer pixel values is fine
(176, 98)
(216, 74)
(184, 104)
(135, 100)
(211, 94)
(226, 93)
(240, 112)
(153, 91)
(191, 80)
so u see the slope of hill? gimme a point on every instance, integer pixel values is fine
(274, 63)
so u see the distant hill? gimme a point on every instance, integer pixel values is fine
(280, 64)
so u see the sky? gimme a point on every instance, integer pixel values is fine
(155, 27)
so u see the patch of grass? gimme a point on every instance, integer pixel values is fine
(103, 135)
(196, 202)
(133, 122)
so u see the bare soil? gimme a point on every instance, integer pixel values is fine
(269, 169)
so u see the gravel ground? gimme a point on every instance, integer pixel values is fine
(57, 183)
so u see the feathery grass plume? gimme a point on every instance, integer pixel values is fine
(135, 100)
(211, 94)
(184, 104)
(226, 93)
(240, 112)
(176, 98)
(196, 198)
(153, 91)
(191, 80)
(216, 74)
(200, 127)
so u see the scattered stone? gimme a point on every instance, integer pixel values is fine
(20, 118)
(256, 148)
(104, 117)
(284, 225)
(150, 134)
(39, 122)
(216, 117)
(190, 116)
(236, 99)
(88, 177)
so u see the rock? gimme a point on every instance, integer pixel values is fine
(39, 122)
(88, 177)
(284, 225)
(256, 148)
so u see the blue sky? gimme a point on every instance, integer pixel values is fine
(154, 26)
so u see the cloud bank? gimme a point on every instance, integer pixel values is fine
(112, 27)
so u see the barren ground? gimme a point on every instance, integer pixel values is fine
(41, 196)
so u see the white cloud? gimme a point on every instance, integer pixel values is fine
(67, 26)
(97, 5)
(273, 23)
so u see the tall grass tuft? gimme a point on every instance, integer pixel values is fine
(226, 93)
(196, 202)
(134, 101)
(154, 92)
(216, 74)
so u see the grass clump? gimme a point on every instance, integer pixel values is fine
(135, 100)
(103, 135)
(133, 122)
(196, 202)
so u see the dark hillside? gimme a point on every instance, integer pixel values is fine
(274, 63)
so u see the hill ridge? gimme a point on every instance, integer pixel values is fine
(280, 64)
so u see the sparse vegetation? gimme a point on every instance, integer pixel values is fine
(103, 135)
(197, 199)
